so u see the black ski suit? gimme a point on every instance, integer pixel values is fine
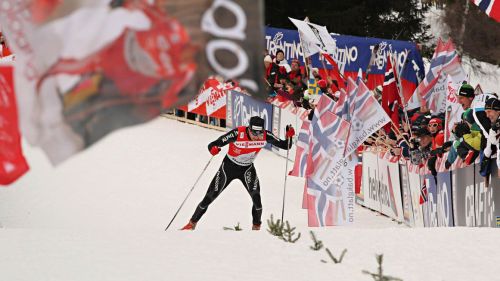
(234, 166)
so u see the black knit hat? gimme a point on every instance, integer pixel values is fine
(466, 90)
(422, 132)
(256, 124)
(492, 104)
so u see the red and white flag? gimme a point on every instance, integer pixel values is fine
(490, 7)
(391, 100)
(445, 59)
(12, 162)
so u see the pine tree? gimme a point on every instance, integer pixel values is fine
(289, 233)
(390, 19)
(278, 229)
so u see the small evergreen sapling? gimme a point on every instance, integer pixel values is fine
(289, 233)
(275, 228)
(235, 228)
(379, 276)
(278, 229)
(318, 244)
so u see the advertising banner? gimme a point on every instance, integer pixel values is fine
(415, 184)
(244, 106)
(280, 120)
(444, 199)
(381, 186)
(353, 53)
(463, 196)
(486, 211)
(370, 181)
(408, 213)
(438, 210)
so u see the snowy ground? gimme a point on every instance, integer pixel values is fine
(101, 216)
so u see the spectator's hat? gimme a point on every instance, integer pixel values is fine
(466, 90)
(492, 104)
(422, 132)
(436, 122)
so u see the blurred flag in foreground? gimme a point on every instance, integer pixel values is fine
(85, 68)
(12, 162)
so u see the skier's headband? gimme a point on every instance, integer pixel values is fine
(256, 128)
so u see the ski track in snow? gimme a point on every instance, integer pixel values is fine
(101, 216)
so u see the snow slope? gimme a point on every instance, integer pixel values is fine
(101, 216)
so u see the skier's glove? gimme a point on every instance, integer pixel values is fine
(290, 132)
(214, 150)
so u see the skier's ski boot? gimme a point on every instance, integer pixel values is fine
(256, 227)
(190, 226)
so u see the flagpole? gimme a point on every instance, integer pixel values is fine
(306, 65)
(400, 92)
(370, 62)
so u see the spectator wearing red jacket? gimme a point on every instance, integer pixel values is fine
(435, 127)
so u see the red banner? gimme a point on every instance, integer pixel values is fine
(12, 162)
(211, 99)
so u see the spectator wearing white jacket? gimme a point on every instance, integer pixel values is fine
(492, 109)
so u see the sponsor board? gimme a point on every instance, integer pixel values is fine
(381, 186)
(415, 184)
(463, 196)
(486, 211)
(438, 210)
(412, 213)
(281, 118)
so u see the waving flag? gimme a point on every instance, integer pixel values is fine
(328, 138)
(328, 141)
(302, 150)
(313, 87)
(490, 7)
(315, 36)
(445, 59)
(91, 67)
(335, 71)
(211, 99)
(12, 162)
(390, 95)
(338, 107)
(367, 118)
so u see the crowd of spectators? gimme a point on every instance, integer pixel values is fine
(291, 81)
(420, 140)
(423, 141)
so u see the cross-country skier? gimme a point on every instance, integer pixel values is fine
(244, 145)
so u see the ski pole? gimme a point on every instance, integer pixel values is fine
(202, 172)
(286, 174)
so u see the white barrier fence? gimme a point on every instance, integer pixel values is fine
(454, 198)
